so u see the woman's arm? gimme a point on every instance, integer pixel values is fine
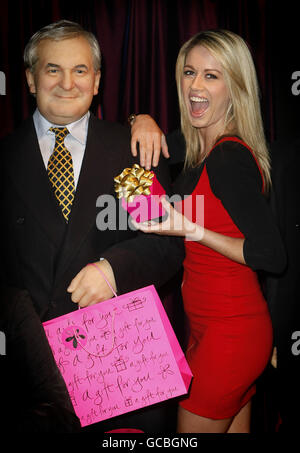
(149, 139)
(236, 181)
(232, 248)
(178, 225)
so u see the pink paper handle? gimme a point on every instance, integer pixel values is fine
(104, 276)
(113, 318)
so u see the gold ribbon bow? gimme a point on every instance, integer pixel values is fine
(132, 182)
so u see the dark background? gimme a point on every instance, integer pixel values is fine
(140, 40)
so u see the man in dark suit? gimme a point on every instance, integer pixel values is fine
(50, 212)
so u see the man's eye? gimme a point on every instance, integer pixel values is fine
(52, 71)
(80, 71)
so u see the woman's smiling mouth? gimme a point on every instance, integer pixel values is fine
(199, 105)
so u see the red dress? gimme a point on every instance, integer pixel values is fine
(230, 329)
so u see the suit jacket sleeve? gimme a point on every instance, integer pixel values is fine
(33, 383)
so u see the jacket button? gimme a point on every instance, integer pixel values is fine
(52, 304)
(20, 221)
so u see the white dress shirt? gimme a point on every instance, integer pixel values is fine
(75, 141)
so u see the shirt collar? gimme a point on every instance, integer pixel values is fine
(78, 129)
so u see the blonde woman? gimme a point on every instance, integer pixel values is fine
(226, 161)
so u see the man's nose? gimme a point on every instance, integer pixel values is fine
(67, 80)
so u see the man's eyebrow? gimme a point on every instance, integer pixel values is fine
(53, 65)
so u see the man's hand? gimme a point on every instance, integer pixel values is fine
(151, 141)
(89, 287)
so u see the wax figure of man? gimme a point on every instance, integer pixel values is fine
(49, 242)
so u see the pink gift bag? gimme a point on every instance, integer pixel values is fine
(118, 356)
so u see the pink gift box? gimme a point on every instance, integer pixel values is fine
(146, 207)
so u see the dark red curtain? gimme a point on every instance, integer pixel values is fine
(140, 40)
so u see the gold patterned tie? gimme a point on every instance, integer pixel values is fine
(60, 171)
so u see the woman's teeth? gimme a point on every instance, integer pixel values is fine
(198, 104)
(198, 99)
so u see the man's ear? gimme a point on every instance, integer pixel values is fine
(97, 81)
(30, 81)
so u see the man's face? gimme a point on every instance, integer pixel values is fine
(64, 80)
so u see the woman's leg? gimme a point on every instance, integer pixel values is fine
(192, 423)
(241, 421)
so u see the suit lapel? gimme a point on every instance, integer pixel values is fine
(30, 176)
(95, 179)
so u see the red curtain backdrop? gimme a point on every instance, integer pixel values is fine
(140, 40)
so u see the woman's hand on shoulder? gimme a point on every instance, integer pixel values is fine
(151, 140)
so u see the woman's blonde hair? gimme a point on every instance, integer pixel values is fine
(243, 116)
